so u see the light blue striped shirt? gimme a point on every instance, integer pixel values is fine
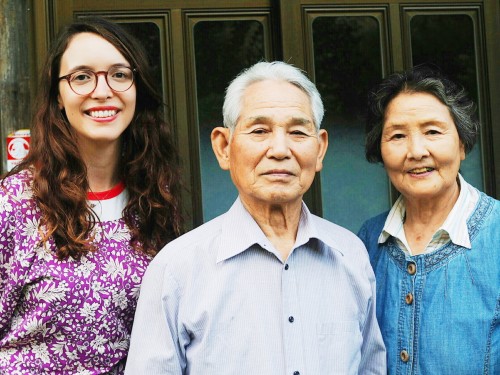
(219, 301)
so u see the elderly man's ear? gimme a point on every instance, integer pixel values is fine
(220, 144)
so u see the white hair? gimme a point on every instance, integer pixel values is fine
(262, 71)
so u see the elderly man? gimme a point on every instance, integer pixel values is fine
(266, 288)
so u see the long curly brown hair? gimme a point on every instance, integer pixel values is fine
(150, 165)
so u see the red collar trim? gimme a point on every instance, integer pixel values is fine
(108, 194)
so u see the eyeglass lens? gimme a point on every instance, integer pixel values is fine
(119, 79)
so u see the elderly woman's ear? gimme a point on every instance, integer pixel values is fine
(220, 144)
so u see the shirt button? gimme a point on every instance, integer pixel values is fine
(404, 356)
(286, 266)
(409, 299)
(296, 373)
(291, 319)
(411, 268)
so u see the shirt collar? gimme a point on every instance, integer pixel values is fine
(394, 222)
(455, 224)
(308, 229)
(240, 231)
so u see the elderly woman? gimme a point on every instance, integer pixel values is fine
(436, 253)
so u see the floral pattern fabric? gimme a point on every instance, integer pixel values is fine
(63, 316)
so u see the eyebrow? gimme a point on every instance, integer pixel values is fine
(434, 122)
(87, 67)
(267, 120)
(427, 122)
(393, 126)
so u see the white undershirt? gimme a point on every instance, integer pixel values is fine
(111, 208)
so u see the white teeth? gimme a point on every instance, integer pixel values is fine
(105, 113)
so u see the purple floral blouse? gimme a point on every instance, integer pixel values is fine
(69, 316)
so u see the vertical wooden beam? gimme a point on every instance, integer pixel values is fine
(15, 72)
(292, 28)
(492, 26)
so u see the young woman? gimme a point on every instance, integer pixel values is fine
(80, 219)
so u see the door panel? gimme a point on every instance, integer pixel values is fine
(221, 47)
(458, 53)
(349, 44)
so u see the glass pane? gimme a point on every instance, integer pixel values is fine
(453, 52)
(148, 34)
(347, 60)
(222, 50)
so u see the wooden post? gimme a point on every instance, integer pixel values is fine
(16, 81)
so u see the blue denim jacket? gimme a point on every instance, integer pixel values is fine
(439, 313)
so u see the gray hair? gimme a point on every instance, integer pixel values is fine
(276, 70)
(420, 79)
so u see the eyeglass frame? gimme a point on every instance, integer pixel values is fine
(96, 74)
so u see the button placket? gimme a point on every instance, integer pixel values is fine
(407, 330)
(292, 329)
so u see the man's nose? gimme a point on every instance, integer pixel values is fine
(279, 145)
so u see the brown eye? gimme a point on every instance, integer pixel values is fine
(397, 136)
(258, 131)
(81, 77)
(122, 74)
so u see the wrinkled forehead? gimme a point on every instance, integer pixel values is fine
(272, 98)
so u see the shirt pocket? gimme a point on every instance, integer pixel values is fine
(339, 347)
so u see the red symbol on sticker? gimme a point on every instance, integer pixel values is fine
(18, 148)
